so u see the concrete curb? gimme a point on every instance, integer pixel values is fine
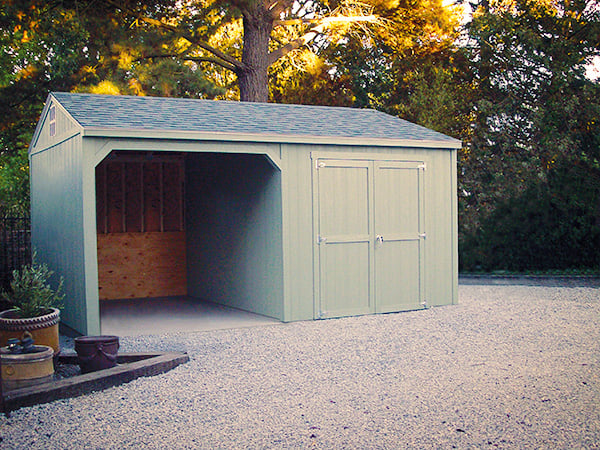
(531, 280)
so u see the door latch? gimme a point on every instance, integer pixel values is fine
(379, 238)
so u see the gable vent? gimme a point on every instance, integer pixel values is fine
(52, 120)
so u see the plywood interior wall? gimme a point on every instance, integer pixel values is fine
(139, 265)
(140, 226)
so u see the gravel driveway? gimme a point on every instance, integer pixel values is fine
(509, 367)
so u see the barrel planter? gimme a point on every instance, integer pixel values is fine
(26, 369)
(96, 352)
(43, 329)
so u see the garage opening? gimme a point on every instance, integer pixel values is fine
(177, 229)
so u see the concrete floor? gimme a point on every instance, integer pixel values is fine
(134, 317)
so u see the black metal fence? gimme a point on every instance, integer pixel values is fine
(15, 246)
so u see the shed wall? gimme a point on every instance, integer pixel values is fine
(250, 238)
(234, 229)
(441, 267)
(58, 222)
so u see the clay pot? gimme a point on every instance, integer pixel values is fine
(26, 369)
(43, 329)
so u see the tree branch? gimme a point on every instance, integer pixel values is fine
(222, 59)
(315, 31)
(209, 59)
(325, 20)
(295, 44)
(182, 56)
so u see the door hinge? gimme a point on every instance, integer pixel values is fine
(321, 314)
(321, 239)
(422, 166)
(424, 304)
(319, 164)
(423, 235)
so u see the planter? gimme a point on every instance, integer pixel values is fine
(96, 352)
(43, 329)
(26, 369)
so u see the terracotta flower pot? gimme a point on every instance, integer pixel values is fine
(43, 329)
(26, 369)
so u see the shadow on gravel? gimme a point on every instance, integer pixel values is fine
(530, 280)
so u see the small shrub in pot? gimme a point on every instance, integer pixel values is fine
(35, 306)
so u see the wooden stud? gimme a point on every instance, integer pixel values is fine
(124, 197)
(133, 185)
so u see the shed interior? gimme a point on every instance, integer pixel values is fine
(190, 225)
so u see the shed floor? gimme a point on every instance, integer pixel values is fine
(134, 317)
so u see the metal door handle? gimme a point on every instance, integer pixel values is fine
(379, 238)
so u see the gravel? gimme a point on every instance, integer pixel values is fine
(509, 366)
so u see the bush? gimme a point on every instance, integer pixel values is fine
(552, 225)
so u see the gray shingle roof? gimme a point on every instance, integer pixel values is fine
(230, 117)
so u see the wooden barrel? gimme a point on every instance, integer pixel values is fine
(26, 369)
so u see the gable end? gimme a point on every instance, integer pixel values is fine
(54, 126)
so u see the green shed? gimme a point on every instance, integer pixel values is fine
(293, 212)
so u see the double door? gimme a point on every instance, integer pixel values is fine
(370, 236)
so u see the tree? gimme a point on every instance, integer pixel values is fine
(67, 45)
(194, 25)
(30, 62)
(195, 48)
(535, 115)
(406, 64)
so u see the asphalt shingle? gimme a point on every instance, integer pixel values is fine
(194, 115)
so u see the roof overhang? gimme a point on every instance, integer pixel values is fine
(137, 133)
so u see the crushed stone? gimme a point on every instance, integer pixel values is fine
(508, 367)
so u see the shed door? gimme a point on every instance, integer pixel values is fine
(369, 236)
(344, 238)
(400, 235)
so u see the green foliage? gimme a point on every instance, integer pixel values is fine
(550, 225)
(510, 83)
(308, 79)
(14, 184)
(30, 292)
(41, 49)
(536, 123)
(386, 68)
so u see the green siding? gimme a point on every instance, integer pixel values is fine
(57, 222)
(64, 128)
(441, 269)
(297, 232)
(234, 232)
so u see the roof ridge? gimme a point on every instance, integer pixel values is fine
(207, 100)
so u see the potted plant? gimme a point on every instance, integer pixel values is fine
(35, 306)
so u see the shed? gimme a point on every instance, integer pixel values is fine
(293, 212)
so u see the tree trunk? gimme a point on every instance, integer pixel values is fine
(253, 76)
